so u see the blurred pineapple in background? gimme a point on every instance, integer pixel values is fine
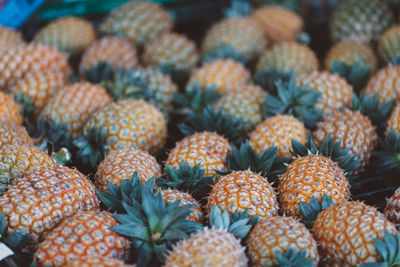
(9, 109)
(294, 5)
(9, 37)
(385, 84)
(389, 46)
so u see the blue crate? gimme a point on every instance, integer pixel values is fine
(14, 13)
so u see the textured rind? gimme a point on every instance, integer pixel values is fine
(279, 234)
(385, 84)
(346, 233)
(210, 247)
(42, 199)
(9, 109)
(86, 233)
(312, 175)
(389, 44)
(74, 104)
(68, 34)
(335, 91)
(350, 52)
(224, 74)
(241, 190)
(394, 121)
(117, 51)
(141, 21)
(130, 123)
(96, 261)
(288, 57)
(172, 195)
(279, 24)
(174, 50)
(354, 129)
(243, 34)
(392, 209)
(40, 87)
(121, 164)
(13, 134)
(208, 149)
(17, 61)
(278, 131)
(9, 37)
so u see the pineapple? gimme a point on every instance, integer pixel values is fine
(385, 84)
(335, 91)
(18, 160)
(172, 195)
(393, 124)
(392, 209)
(96, 261)
(278, 131)
(17, 61)
(221, 74)
(346, 233)
(294, 5)
(68, 34)
(239, 38)
(389, 45)
(141, 22)
(282, 61)
(9, 37)
(241, 190)
(73, 105)
(353, 61)
(38, 88)
(120, 164)
(86, 233)
(43, 198)
(116, 52)
(360, 20)
(9, 109)
(173, 54)
(207, 148)
(13, 134)
(279, 23)
(277, 236)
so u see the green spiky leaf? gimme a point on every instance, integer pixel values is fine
(28, 107)
(51, 131)
(238, 8)
(98, 72)
(224, 51)
(356, 74)
(311, 209)
(267, 79)
(294, 258)
(387, 157)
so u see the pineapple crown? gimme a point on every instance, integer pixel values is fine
(311, 209)
(238, 8)
(388, 250)
(213, 121)
(267, 163)
(188, 179)
(98, 72)
(51, 132)
(299, 102)
(394, 60)
(239, 224)
(153, 225)
(224, 51)
(294, 258)
(267, 78)
(387, 157)
(28, 108)
(329, 148)
(356, 74)
(178, 75)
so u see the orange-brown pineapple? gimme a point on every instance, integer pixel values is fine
(392, 209)
(9, 37)
(385, 84)
(9, 109)
(393, 122)
(172, 195)
(13, 134)
(96, 261)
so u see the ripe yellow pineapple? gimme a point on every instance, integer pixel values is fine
(208, 149)
(9, 37)
(120, 164)
(140, 21)
(388, 45)
(385, 84)
(279, 235)
(42, 199)
(39, 87)
(96, 261)
(87, 233)
(210, 247)
(172, 195)
(278, 131)
(335, 91)
(239, 38)
(279, 23)
(392, 209)
(13, 134)
(73, 105)
(241, 190)
(9, 109)
(17, 61)
(311, 176)
(394, 121)
(68, 34)
(346, 231)
(221, 74)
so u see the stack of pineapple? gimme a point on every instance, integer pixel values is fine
(242, 150)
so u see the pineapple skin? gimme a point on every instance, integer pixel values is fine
(172, 195)
(389, 45)
(9, 109)
(385, 84)
(393, 122)
(96, 261)
(13, 134)
(392, 209)
(10, 37)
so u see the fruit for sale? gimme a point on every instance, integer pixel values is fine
(86, 233)
(239, 38)
(360, 20)
(9, 37)
(290, 4)
(96, 261)
(274, 239)
(393, 124)
(385, 84)
(13, 134)
(389, 45)
(120, 164)
(43, 198)
(68, 34)
(140, 21)
(9, 109)
(278, 131)
(172, 195)
(392, 209)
